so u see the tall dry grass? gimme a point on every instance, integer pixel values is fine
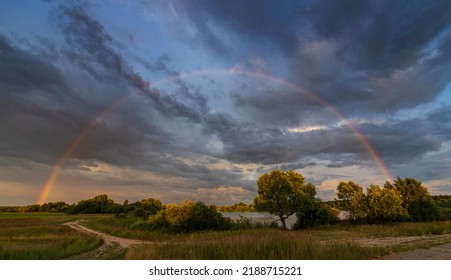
(255, 244)
(41, 236)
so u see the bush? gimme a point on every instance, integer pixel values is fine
(314, 212)
(423, 210)
(121, 215)
(140, 213)
(188, 217)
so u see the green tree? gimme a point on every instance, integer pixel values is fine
(188, 217)
(383, 205)
(98, 204)
(415, 198)
(151, 205)
(140, 213)
(352, 199)
(312, 212)
(280, 193)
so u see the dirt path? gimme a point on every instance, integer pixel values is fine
(441, 252)
(108, 239)
(401, 240)
(113, 247)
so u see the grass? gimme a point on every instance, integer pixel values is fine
(256, 244)
(396, 229)
(41, 236)
(124, 227)
(323, 243)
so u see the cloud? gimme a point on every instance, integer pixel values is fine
(360, 56)
(338, 63)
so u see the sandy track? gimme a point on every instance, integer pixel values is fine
(442, 252)
(399, 240)
(108, 239)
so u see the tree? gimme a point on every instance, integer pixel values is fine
(352, 198)
(98, 204)
(188, 217)
(151, 205)
(415, 198)
(280, 193)
(312, 212)
(140, 213)
(383, 205)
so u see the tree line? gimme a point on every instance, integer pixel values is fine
(96, 205)
(280, 193)
(286, 193)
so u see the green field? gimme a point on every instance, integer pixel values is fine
(326, 243)
(43, 236)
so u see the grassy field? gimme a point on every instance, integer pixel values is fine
(254, 244)
(41, 236)
(330, 243)
(326, 242)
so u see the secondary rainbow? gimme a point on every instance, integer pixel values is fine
(50, 182)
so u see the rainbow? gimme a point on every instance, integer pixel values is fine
(50, 182)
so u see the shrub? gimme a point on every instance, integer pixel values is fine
(140, 213)
(314, 212)
(188, 217)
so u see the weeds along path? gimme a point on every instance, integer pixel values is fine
(108, 239)
(113, 247)
(442, 252)
(400, 240)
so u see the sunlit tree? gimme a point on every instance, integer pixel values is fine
(383, 205)
(415, 198)
(281, 193)
(352, 198)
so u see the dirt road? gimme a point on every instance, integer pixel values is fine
(441, 252)
(108, 239)
(114, 247)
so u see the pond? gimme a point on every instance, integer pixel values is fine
(259, 217)
(267, 218)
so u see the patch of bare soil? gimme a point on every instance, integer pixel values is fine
(113, 247)
(441, 252)
(401, 240)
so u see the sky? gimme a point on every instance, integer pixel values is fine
(196, 99)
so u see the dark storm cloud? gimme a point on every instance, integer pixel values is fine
(364, 57)
(32, 91)
(41, 114)
(410, 139)
(380, 35)
(381, 52)
(90, 44)
(20, 70)
(261, 21)
(90, 41)
(160, 65)
(396, 142)
(130, 136)
(252, 143)
(439, 123)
